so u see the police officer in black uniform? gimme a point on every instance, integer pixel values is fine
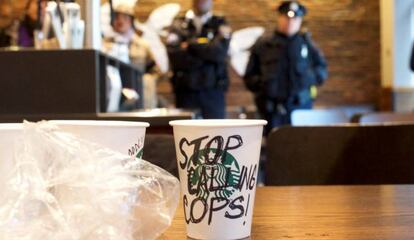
(197, 46)
(285, 67)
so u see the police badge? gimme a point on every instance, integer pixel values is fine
(304, 52)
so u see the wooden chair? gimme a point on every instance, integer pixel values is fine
(159, 149)
(340, 155)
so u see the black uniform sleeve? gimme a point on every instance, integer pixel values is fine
(412, 59)
(180, 58)
(252, 77)
(319, 65)
(215, 50)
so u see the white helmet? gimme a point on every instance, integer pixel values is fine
(124, 6)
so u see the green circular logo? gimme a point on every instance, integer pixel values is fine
(213, 171)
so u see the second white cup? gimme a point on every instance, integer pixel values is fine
(122, 136)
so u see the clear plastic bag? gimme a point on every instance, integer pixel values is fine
(65, 188)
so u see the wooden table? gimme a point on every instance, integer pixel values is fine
(327, 212)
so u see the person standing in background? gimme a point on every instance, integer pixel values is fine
(198, 45)
(32, 20)
(124, 34)
(18, 29)
(6, 20)
(124, 43)
(284, 68)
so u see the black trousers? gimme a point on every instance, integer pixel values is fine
(210, 102)
(277, 119)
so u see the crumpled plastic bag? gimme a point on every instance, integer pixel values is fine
(63, 187)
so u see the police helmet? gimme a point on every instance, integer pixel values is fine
(292, 9)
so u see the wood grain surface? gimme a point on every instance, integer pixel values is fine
(326, 212)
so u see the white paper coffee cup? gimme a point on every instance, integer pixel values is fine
(9, 134)
(218, 162)
(122, 136)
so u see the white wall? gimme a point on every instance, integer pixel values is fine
(403, 40)
(397, 37)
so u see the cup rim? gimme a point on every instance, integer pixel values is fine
(11, 126)
(99, 123)
(219, 123)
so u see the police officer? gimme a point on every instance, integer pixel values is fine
(284, 67)
(197, 46)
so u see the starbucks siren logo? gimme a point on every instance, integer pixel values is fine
(213, 171)
(214, 176)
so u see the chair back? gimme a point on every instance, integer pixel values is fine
(159, 149)
(340, 155)
(319, 117)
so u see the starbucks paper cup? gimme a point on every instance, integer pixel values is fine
(218, 162)
(122, 136)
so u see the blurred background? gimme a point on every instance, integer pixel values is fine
(367, 44)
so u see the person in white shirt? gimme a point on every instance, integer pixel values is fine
(124, 43)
